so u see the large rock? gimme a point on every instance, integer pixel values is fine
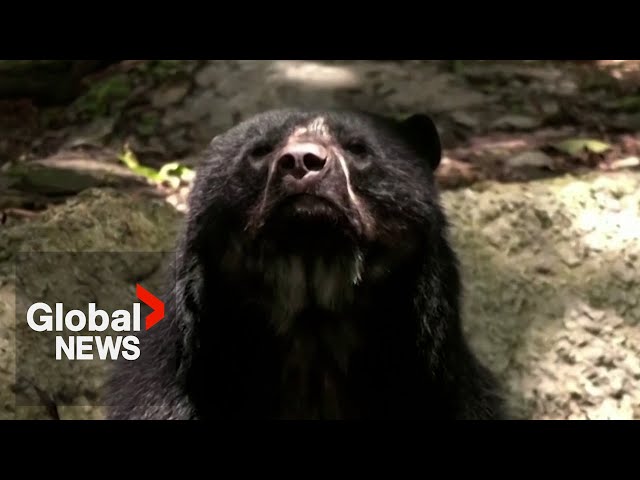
(228, 91)
(132, 230)
(552, 291)
(70, 172)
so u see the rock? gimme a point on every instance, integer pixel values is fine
(496, 72)
(146, 125)
(318, 74)
(170, 94)
(465, 119)
(439, 93)
(517, 122)
(92, 134)
(627, 273)
(631, 365)
(589, 325)
(566, 87)
(200, 105)
(178, 142)
(571, 331)
(208, 75)
(69, 173)
(611, 409)
(592, 313)
(95, 221)
(533, 158)
(616, 380)
(550, 108)
(578, 416)
(593, 391)
(624, 121)
(569, 254)
(628, 162)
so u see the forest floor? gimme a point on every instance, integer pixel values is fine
(143, 125)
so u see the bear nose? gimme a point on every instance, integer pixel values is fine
(301, 159)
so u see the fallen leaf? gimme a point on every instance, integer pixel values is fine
(575, 146)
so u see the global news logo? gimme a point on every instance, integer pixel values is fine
(41, 317)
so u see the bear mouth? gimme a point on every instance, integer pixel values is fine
(309, 206)
(305, 220)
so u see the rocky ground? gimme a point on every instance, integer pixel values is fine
(540, 179)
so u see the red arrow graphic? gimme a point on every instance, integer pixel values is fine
(154, 302)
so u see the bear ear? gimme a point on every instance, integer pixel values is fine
(423, 136)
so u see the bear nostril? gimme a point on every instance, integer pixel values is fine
(287, 162)
(313, 163)
(301, 159)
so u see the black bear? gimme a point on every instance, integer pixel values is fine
(313, 280)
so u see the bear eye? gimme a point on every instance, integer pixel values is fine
(261, 150)
(357, 147)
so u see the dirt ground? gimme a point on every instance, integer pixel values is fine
(540, 178)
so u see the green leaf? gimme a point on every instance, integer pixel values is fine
(171, 173)
(574, 146)
(175, 171)
(130, 160)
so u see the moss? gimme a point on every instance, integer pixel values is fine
(598, 80)
(163, 69)
(52, 117)
(517, 106)
(105, 97)
(148, 123)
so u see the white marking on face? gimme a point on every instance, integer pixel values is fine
(317, 127)
(288, 277)
(265, 195)
(345, 170)
(329, 284)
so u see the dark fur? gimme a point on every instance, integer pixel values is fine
(394, 348)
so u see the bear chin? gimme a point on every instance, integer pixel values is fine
(308, 225)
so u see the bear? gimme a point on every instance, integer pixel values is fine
(313, 279)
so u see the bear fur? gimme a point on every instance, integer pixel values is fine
(317, 285)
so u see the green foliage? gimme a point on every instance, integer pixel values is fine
(575, 146)
(171, 173)
(174, 172)
(105, 97)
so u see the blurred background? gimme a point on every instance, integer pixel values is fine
(540, 178)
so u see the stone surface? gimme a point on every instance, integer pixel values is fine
(95, 221)
(565, 345)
